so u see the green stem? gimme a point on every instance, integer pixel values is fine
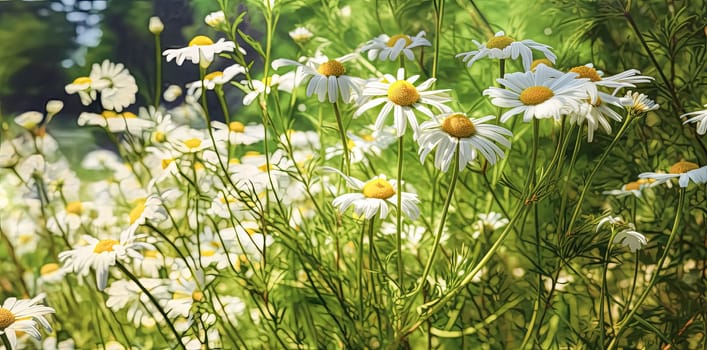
(654, 278)
(399, 215)
(596, 168)
(604, 268)
(158, 71)
(439, 15)
(6, 341)
(440, 225)
(177, 336)
(344, 142)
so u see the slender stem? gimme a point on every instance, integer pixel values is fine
(654, 278)
(158, 71)
(440, 224)
(439, 16)
(6, 341)
(399, 215)
(344, 142)
(596, 168)
(177, 336)
(605, 268)
(360, 271)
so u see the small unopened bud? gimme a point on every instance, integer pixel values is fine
(172, 93)
(54, 106)
(156, 26)
(214, 19)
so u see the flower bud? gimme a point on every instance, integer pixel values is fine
(214, 19)
(156, 27)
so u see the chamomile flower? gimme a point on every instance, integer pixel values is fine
(399, 96)
(22, 316)
(700, 117)
(452, 132)
(300, 34)
(82, 86)
(374, 196)
(116, 122)
(632, 188)
(638, 102)
(254, 88)
(215, 19)
(215, 78)
(141, 311)
(361, 146)
(100, 255)
(502, 46)
(201, 50)
(329, 79)
(490, 222)
(684, 171)
(386, 47)
(630, 238)
(596, 114)
(237, 133)
(539, 94)
(624, 79)
(116, 85)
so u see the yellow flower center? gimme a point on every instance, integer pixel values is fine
(331, 67)
(129, 115)
(150, 254)
(682, 167)
(251, 231)
(201, 40)
(536, 95)
(7, 318)
(74, 208)
(48, 268)
(499, 42)
(368, 138)
(540, 61)
(109, 114)
(378, 188)
(267, 81)
(394, 39)
(632, 186)
(197, 296)
(213, 75)
(458, 125)
(166, 162)
(82, 80)
(208, 252)
(160, 136)
(192, 143)
(137, 210)
(105, 245)
(586, 72)
(236, 127)
(403, 93)
(350, 144)
(25, 238)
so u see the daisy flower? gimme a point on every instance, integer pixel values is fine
(385, 47)
(700, 117)
(329, 77)
(624, 79)
(631, 188)
(215, 78)
(360, 146)
(490, 222)
(451, 131)
(638, 102)
(201, 50)
(684, 171)
(116, 85)
(29, 120)
(127, 294)
(215, 19)
(100, 255)
(300, 34)
(399, 96)
(630, 238)
(502, 46)
(82, 86)
(116, 122)
(237, 133)
(285, 82)
(22, 316)
(374, 196)
(596, 114)
(538, 94)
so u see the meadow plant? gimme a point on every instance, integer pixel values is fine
(446, 185)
